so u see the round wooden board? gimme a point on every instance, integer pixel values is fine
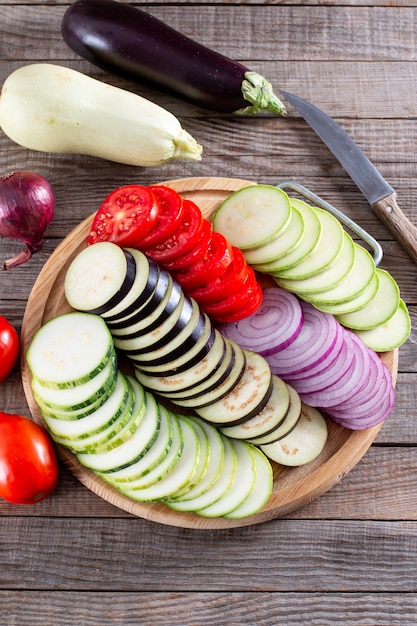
(293, 487)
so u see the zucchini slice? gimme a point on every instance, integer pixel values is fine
(69, 350)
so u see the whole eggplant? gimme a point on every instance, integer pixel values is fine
(124, 40)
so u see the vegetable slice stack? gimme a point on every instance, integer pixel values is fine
(120, 431)
(177, 351)
(328, 365)
(173, 232)
(308, 253)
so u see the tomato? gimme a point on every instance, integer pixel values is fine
(28, 463)
(9, 348)
(227, 283)
(183, 239)
(170, 216)
(126, 215)
(217, 258)
(196, 252)
(239, 304)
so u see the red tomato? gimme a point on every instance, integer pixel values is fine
(170, 216)
(239, 304)
(226, 284)
(196, 253)
(217, 258)
(183, 239)
(28, 463)
(126, 215)
(9, 348)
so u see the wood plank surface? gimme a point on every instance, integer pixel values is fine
(348, 557)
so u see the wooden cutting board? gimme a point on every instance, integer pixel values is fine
(293, 487)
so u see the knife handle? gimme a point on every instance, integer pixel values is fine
(404, 231)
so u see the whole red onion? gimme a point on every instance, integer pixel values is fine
(27, 205)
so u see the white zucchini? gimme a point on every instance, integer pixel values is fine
(240, 487)
(51, 108)
(321, 256)
(97, 421)
(253, 216)
(356, 281)
(203, 458)
(330, 276)
(159, 458)
(213, 467)
(73, 399)
(391, 333)
(378, 310)
(225, 476)
(261, 491)
(282, 245)
(179, 476)
(132, 449)
(69, 350)
(310, 240)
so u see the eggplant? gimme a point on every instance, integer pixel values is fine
(127, 41)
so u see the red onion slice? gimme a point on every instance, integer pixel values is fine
(332, 356)
(330, 375)
(374, 387)
(354, 378)
(312, 345)
(274, 326)
(375, 416)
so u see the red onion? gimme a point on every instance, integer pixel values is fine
(27, 204)
(272, 327)
(313, 344)
(331, 374)
(377, 414)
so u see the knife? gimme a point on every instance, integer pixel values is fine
(380, 195)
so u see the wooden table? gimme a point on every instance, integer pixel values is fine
(347, 557)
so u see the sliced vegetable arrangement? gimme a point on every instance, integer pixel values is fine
(173, 232)
(81, 115)
(176, 350)
(126, 40)
(261, 385)
(328, 365)
(308, 253)
(136, 444)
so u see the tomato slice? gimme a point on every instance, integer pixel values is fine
(251, 305)
(227, 283)
(183, 239)
(241, 303)
(218, 256)
(196, 252)
(171, 213)
(125, 216)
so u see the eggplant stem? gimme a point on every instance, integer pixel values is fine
(259, 92)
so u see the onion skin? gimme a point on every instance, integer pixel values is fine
(27, 205)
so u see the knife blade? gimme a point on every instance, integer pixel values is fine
(380, 195)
